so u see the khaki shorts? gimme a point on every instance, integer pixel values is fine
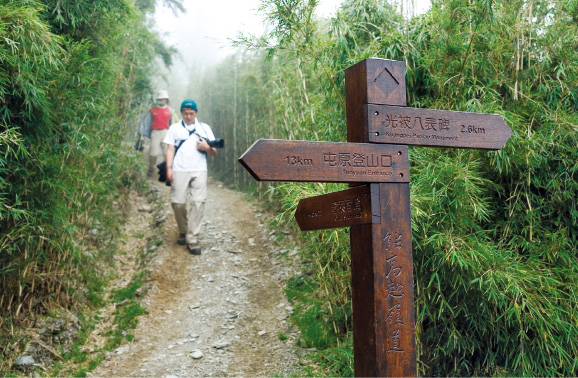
(157, 147)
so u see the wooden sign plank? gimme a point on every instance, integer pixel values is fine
(288, 160)
(339, 209)
(441, 128)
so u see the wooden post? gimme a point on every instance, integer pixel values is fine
(381, 254)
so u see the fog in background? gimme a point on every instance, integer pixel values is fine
(201, 36)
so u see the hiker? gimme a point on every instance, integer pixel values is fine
(155, 125)
(186, 160)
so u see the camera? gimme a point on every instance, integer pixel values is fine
(216, 143)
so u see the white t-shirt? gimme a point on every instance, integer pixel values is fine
(188, 158)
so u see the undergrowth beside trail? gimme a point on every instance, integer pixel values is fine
(74, 77)
(74, 341)
(321, 301)
(58, 338)
(330, 352)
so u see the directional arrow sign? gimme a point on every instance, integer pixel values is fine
(442, 128)
(345, 208)
(287, 160)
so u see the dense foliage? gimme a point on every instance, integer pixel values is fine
(72, 73)
(495, 233)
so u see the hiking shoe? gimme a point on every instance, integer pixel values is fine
(182, 239)
(195, 251)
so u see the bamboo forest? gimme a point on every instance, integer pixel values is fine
(495, 233)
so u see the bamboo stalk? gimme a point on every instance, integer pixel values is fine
(235, 170)
(331, 309)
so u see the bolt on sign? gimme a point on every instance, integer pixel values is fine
(375, 163)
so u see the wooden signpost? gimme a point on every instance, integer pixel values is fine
(377, 206)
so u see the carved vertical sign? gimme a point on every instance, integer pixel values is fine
(394, 292)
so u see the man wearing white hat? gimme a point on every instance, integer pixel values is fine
(155, 126)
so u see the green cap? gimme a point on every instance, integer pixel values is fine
(189, 104)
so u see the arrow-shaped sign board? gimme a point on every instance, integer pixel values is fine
(289, 160)
(441, 128)
(345, 208)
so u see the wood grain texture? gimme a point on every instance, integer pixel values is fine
(344, 208)
(441, 128)
(305, 161)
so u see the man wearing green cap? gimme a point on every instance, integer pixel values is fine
(186, 159)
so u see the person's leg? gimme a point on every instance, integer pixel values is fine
(152, 165)
(163, 145)
(179, 189)
(157, 149)
(198, 195)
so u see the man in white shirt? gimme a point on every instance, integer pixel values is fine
(187, 172)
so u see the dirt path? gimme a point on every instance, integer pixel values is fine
(219, 314)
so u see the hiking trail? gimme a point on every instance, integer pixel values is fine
(221, 313)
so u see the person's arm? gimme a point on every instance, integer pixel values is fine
(174, 117)
(202, 145)
(147, 125)
(169, 161)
